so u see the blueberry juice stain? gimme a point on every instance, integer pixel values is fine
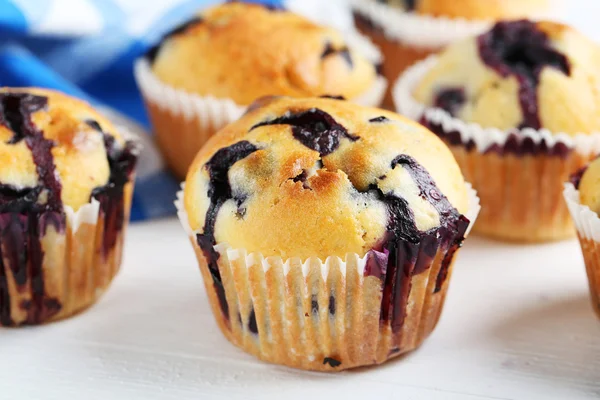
(219, 192)
(121, 161)
(450, 99)
(314, 128)
(520, 49)
(405, 251)
(23, 220)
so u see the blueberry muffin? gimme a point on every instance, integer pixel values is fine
(206, 72)
(65, 193)
(325, 231)
(583, 199)
(410, 30)
(518, 103)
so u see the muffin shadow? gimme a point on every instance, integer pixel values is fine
(557, 342)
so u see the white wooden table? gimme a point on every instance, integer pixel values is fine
(517, 325)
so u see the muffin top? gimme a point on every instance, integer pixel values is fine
(245, 51)
(589, 186)
(520, 74)
(54, 151)
(321, 177)
(472, 9)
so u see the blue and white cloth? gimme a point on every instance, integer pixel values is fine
(86, 48)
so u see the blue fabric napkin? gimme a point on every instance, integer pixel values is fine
(86, 48)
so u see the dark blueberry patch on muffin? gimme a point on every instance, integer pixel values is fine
(240, 199)
(443, 274)
(428, 189)
(377, 264)
(343, 52)
(378, 120)
(121, 161)
(21, 253)
(520, 49)
(219, 191)
(16, 110)
(314, 128)
(329, 96)
(252, 325)
(393, 351)
(332, 362)
(19, 200)
(15, 113)
(450, 100)
(93, 124)
(314, 304)
(48, 308)
(302, 178)
(407, 251)
(331, 305)
(153, 51)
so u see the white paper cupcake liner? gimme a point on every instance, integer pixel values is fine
(209, 110)
(418, 30)
(586, 221)
(319, 314)
(587, 224)
(483, 138)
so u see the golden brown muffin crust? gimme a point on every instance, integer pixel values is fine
(289, 200)
(244, 51)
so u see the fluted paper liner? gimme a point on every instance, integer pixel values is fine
(415, 29)
(587, 224)
(319, 315)
(519, 174)
(74, 264)
(183, 121)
